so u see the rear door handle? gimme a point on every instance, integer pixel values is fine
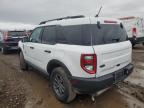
(31, 47)
(47, 51)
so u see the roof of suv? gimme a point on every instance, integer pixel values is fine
(83, 20)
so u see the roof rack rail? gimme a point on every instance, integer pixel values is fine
(68, 17)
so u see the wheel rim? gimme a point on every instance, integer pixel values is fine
(58, 85)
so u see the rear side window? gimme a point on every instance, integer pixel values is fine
(75, 35)
(61, 38)
(108, 33)
(49, 35)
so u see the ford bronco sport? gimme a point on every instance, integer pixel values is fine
(79, 54)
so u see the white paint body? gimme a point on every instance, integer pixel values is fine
(109, 54)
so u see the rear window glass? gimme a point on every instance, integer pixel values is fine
(108, 33)
(17, 33)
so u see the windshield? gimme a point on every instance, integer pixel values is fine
(16, 33)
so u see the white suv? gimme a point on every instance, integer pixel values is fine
(79, 54)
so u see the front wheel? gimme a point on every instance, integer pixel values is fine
(23, 64)
(61, 86)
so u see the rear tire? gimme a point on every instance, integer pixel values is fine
(3, 50)
(23, 64)
(143, 43)
(61, 86)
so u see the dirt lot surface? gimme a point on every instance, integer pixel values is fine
(29, 89)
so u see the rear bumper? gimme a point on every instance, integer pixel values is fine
(92, 85)
(137, 40)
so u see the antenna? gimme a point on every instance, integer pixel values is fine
(99, 12)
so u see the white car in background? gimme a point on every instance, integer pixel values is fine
(135, 29)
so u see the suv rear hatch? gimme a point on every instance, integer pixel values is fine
(110, 45)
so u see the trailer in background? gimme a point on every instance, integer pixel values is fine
(135, 29)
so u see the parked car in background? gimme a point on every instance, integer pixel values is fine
(9, 40)
(79, 54)
(135, 29)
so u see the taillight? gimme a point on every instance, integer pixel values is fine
(5, 35)
(89, 63)
(134, 32)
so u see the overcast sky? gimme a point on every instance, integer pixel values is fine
(34, 11)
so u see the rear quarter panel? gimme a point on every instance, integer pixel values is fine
(70, 55)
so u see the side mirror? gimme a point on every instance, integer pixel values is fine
(26, 39)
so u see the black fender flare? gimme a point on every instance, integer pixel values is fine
(56, 63)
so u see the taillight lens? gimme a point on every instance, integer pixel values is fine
(5, 35)
(134, 32)
(89, 63)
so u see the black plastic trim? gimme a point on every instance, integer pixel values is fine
(60, 64)
(92, 85)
